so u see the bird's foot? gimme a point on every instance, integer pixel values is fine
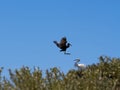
(66, 53)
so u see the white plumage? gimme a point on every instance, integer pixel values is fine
(78, 65)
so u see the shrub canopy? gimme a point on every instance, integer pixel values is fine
(104, 75)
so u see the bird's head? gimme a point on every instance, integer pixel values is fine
(69, 44)
(77, 60)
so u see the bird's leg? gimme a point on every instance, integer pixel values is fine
(66, 53)
(61, 50)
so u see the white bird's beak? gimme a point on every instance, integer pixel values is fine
(77, 60)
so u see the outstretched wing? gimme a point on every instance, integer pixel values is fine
(57, 44)
(63, 42)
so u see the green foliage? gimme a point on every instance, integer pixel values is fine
(104, 75)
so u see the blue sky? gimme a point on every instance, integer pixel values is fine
(28, 28)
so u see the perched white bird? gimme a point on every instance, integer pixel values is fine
(78, 65)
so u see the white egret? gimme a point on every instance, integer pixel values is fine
(78, 65)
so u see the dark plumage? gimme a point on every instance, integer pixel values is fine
(63, 45)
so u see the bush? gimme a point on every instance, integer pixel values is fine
(104, 75)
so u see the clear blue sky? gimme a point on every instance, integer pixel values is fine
(28, 28)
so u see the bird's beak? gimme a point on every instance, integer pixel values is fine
(74, 60)
(77, 59)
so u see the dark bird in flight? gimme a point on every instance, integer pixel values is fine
(63, 45)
